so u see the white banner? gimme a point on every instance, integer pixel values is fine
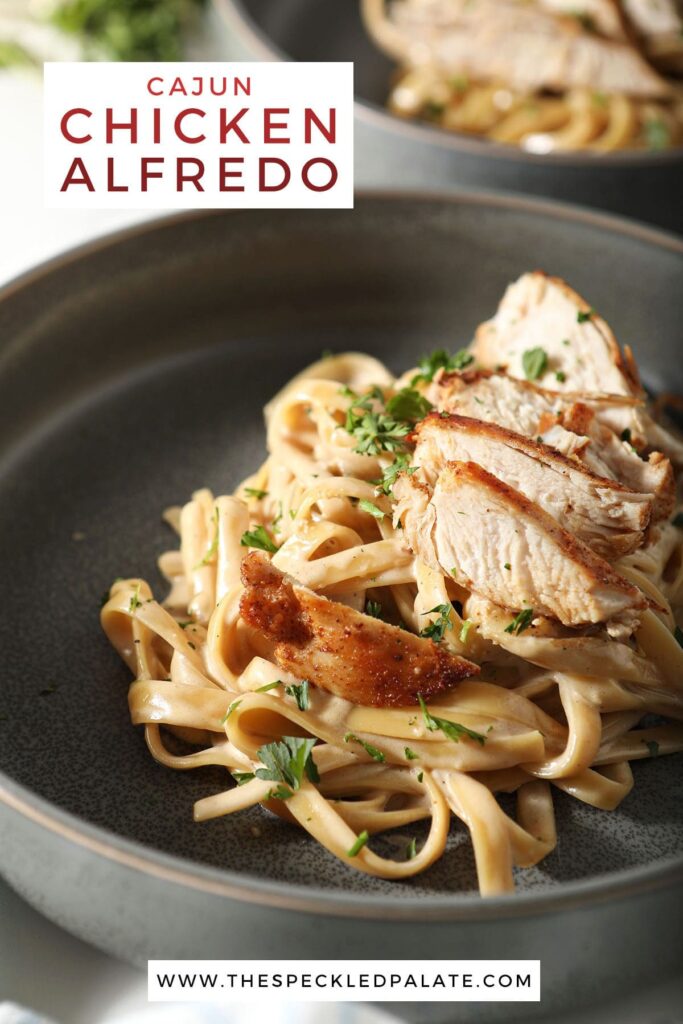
(198, 134)
(335, 981)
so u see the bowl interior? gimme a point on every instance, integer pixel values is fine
(133, 374)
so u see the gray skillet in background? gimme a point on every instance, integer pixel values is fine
(134, 371)
(395, 153)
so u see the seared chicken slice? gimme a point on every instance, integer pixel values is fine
(572, 427)
(517, 43)
(354, 656)
(583, 356)
(498, 544)
(601, 512)
(543, 312)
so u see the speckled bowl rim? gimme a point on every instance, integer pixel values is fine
(566, 896)
(239, 20)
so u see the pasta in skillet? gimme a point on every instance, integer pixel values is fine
(316, 643)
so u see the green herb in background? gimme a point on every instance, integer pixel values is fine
(13, 55)
(129, 29)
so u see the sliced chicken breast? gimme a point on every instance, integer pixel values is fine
(352, 655)
(542, 312)
(571, 426)
(518, 43)
(502, 546)
(601, 512)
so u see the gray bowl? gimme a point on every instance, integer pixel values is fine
(396, 153)
(133, 371)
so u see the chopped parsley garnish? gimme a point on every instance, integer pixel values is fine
(652, 747)
(299, 691)
(453, 730)
(534, 363)
(373, 608)
(258, 538)
(507, 566)
(401, 464)
(408, 404)
(657, 134)
(436, 630)
(255, 492)
(268, 686)
(420, 776)
(374, 753)
(454, 572)
(678, 633)
(678, 520)
(410, 754)
(465, 629)
(286, 762)
(582, 317)
(241, 778)
(560, 376)
(521, 621)
(226, 716)
(213, 547)
(441, 360)
(375, 431)
(360, 842)
(371, 509)
(135, 601)
(411, 849)
(279, 793)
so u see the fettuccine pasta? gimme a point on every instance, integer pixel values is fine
(551, 709)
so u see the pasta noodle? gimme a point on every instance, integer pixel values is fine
(553, 710)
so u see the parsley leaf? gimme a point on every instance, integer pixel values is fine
(287, 761)
(520, 622)
(368, 507)
(560, 376)
(453, 730)
(436, 630)
(241, 778)
(268, 686)
(582, 317)
(373, 608)
(213, 547)
(441, 360)
(374, 753)
(410, 754)
(360, 842)
(255, 492)
(258, 538)
(534, 363)
(657, 134)
(226, 716)
(135, 601)
(374, 430)
(464, 632)
(408, 404)
(299, 691)
(389, 473)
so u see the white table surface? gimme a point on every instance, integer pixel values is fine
(41, 966)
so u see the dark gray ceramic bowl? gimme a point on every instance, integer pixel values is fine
(396, 153)
(133, 371)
